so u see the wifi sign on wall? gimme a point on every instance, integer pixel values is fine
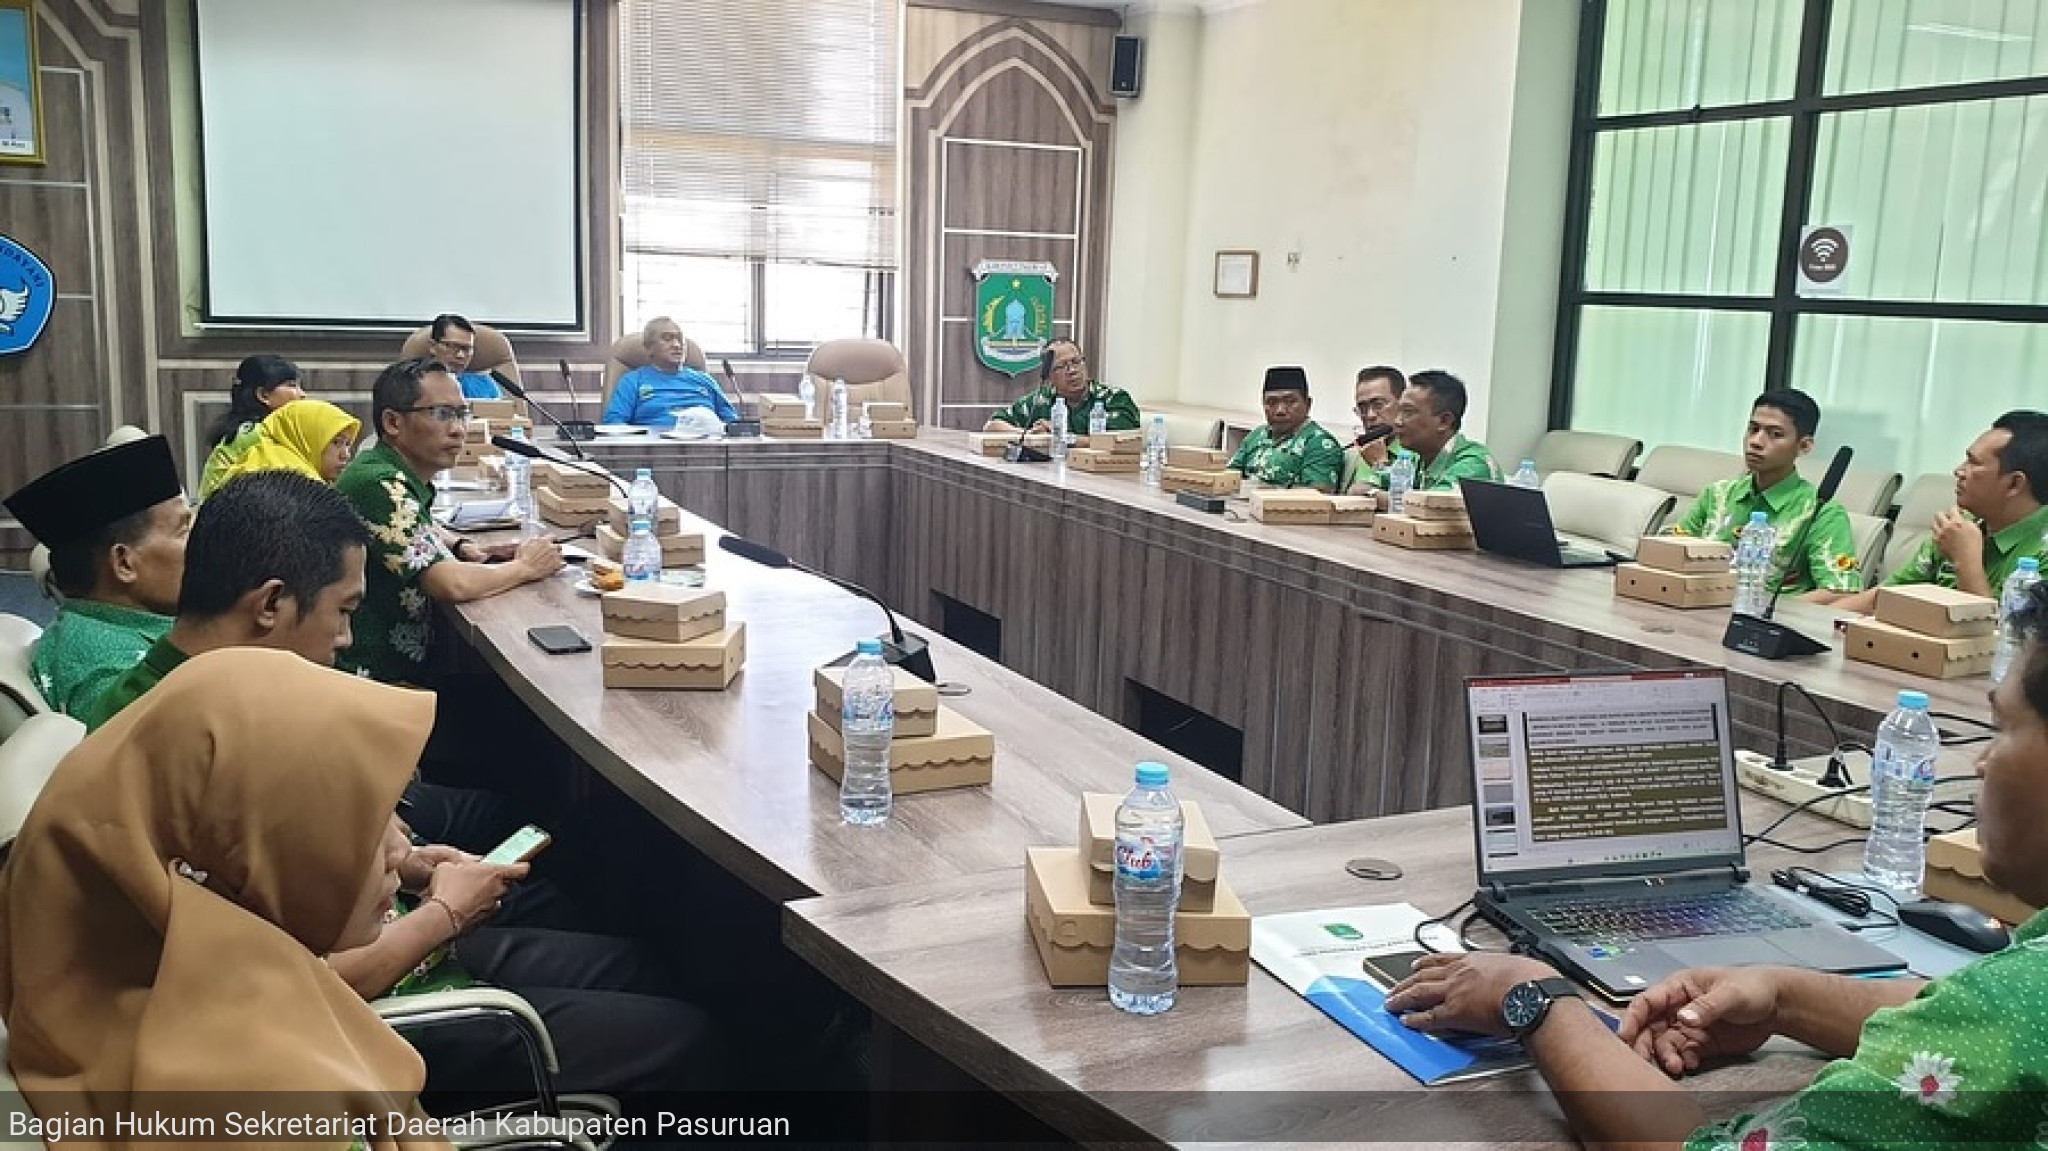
(1824, 259)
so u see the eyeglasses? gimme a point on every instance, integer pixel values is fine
(455, 349)
(1073, 365)
(445, 413)
(1369, 407)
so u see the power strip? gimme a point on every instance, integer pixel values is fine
(1802, 783)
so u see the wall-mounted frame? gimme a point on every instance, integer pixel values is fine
(21, 103)
(1237, 275)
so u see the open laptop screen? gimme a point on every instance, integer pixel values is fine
(1579, 776)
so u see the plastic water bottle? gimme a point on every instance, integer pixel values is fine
(642, 553)
(1098, 419)
(1400, 479)
(1153, 462)
(1525, 476)
(839, 429)
(643, 497)
(1058, 420)
(1754, 550)
(1901, 784)
(1143, 977)
(867, 721)
(808, 393)
(519, 482)
(2018, 587)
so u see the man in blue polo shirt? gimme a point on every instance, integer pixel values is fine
(649, 396)
(454, 346)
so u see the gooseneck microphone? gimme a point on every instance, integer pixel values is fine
(576, 427)
(909, 651)
(1762, 635)
(746, 427)
(512, 387)
(533, 451)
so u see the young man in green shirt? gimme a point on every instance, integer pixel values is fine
(115, 523)
(1429, 418)
(1063, 375)
(1374, 394)
(1959, 1061)
(2000, 517)
(421, 420)
(1291, 451)
(1781, 427)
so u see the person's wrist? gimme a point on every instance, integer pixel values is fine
(465, 549)
(455, 922)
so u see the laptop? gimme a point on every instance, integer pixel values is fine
(1609, 832)
(1515, 522)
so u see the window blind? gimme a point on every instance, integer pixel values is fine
(764, 131)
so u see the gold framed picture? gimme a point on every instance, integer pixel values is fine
(21, 104)
(1237, 275)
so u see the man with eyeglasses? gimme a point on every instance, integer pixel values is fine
(1375, 393)
(421, 421)
(1063, 375)
(1429, 421)
(454, 347)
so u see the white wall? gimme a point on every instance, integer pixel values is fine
(1373, 138)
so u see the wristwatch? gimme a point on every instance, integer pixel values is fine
(1526, 1005)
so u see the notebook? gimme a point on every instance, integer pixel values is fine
(1609, 833)
(1515, 522)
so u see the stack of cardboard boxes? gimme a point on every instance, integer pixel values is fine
(1927, 630)
(1109, 452)
(889, 420)
(934, 747)
(783, 418)
(1430, 521)
(659, 635)
(1204, 471)
(1679, 571)
(679, 549)
(1070, 905)
(994, 444)
(569, 497)
(1308, 506)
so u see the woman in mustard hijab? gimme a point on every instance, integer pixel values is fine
(166, 906)
(311, 437)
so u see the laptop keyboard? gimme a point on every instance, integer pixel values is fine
(1597, 922)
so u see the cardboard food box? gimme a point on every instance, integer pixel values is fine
(1675, 589)
(796, 428)
(1074, 935)
(1200, 859)
(1208, 483)
(1125, 443)
(1447, 506)
(678, 550)
(668, 518)
(1686, 554)
(781, 407)
(1353, 511)
(958, 753)
(1955, 872)
(569, 481)
(892, 429)
(917, 702)
(570, 511)
(496, 411)
(996, 443)
(1869, 641)
(1423, 535)
(1096, 460)
(885, 411)
(707, 663)
(1290, 506)
(1197, 459)
(477, 431)
(1943, 612)
(665, 612)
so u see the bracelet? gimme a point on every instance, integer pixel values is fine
(454, 920)
(460, 543)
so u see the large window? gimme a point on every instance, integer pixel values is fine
(1709, 132)
(759, 170)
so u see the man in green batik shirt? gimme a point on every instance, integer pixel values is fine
(115, 523)
(1291, 451)
(2000, 517)
(1781, 427)
(1063, 375)
(1428, 420)
(1959, 1061)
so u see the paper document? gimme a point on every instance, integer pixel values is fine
(478, 513)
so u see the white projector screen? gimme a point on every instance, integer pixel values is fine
(372, 162)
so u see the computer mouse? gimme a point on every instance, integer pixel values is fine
(1966, 927)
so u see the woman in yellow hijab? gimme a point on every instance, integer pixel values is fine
(311, 437)
(166, 906)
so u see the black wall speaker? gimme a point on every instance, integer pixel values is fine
(1127, 66)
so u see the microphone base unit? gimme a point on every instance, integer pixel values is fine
(743, 429)
(1200, 502)
(1019, 454)
(1767, 639)
(576, 430)
(912, 655)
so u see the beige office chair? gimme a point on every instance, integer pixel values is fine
(1863, 490)
(874, 371)
(1872, 534)
(1684, 471)
(1923, 499)
(493, 351)
(27, 759)
(19, 699)
(628, 352)
(1589, 453)
(1612, 513)
(1187, 431)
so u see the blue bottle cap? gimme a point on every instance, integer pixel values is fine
(868, 647)
(1152, 775)
(640, 524)
(2029, 564)
(643, 473)
(1913, 700)
(1758, 517)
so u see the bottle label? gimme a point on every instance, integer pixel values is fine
(1141, 858)
(1894, 766)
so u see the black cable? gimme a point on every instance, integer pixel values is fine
(1837, 793)
(1834, 733)
(1973, 721)
(1444, 918)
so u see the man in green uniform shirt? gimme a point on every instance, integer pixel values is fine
(1063, 375)
(1959, 1061)
(421, 420)
(1781, 427)
(1429, 419)
(115, 524)
(2000, 517)
(1373, 396)
(1291, 451)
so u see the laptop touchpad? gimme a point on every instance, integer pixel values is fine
(1728, 951)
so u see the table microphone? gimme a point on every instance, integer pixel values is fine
(1373, 435)
(533, 451)
(1761, 635)
(909, 651)
(1017, 453)
(512, 386)
(746, 427)
(577, 428)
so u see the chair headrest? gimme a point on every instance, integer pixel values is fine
(493, 350)
(856, 361)
(26, 761)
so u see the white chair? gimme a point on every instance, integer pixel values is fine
(1613, 513)
(1590, 453)
(1862, 490)
(27, 759)
(1685, 471)
(1184, 430)
(1872, 534)
(19, 699)
(1926, 497)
